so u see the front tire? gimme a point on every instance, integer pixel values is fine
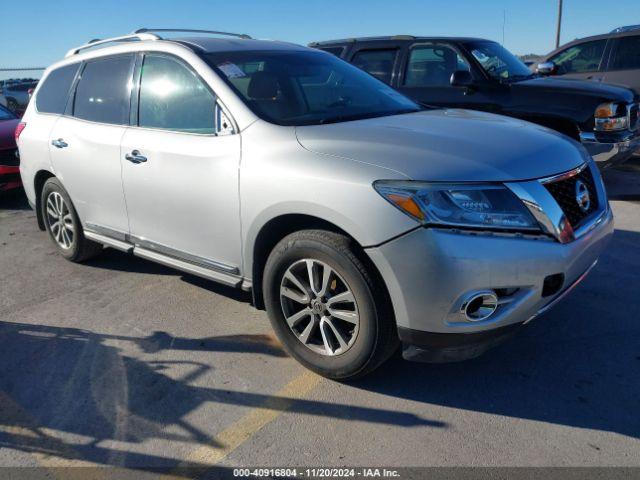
(63, 225)
(325, 306)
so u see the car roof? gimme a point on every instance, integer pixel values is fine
(398, 38)
(210, 45)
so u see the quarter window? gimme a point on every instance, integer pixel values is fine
(432, 66)
(627, 54)
(104, 89)
(52, 96)
(378, 63)
(172, 97)
(584, 57)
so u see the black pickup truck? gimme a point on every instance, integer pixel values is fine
(482, 75)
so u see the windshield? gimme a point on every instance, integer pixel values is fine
(499, 62)
(306, 87)
(5, 114)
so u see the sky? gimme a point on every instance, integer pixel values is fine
(41, 31)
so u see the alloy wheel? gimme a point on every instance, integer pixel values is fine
(319, 307)
(60, 220)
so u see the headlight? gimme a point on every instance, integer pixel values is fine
(611, 116)
(485, 206)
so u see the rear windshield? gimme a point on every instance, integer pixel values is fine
(52, 96)
(306, 87)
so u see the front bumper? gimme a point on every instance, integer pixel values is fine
(613, 149)
(430, 272)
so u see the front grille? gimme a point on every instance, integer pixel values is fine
(564, 192)
(8, 158)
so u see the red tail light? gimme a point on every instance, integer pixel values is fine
(19, 130)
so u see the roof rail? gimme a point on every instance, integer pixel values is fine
(92, 43)
(187, 30)
(628, 28)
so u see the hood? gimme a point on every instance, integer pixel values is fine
(448, 145)
(7, 129)
(563, 86)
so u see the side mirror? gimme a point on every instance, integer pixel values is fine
(461, 78)
(546, 68)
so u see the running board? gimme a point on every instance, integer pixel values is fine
(108, 241)
(199, 271)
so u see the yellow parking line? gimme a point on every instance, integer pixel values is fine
(242, 430)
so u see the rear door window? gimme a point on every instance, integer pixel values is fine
(584, 57)
(337, 51)
(378, 63)
(103, 92)
(52, 96)
(627, 56)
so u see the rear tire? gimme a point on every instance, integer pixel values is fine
(341, 326)
(63, 225)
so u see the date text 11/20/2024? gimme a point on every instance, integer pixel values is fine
(316, 472)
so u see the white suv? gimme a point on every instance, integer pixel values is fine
(356, 217)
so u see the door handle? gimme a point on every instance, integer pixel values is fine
(60, 143)
(135, 157)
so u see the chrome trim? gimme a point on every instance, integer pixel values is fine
(563, 176)
(563, 294)
(544, 209)
(140, 242)
(108, 241)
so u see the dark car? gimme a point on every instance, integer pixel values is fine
(9, 162)
(18, 96)
(480, 74)
(613, 58)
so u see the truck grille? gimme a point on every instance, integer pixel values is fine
(564, 192)
(8, 158)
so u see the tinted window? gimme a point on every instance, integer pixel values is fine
(172, 97)
(102, 94)
(584, 57)
(337, 51)
(52, 96)
(432, 65)
(306, 87)
(627, 54)
(378, 63)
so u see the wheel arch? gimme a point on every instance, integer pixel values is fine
(279, 227)
(38, 183)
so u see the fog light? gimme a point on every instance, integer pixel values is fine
(480, 306)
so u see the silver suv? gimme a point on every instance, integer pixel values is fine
(358, 219)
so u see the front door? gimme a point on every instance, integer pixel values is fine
(180, 172)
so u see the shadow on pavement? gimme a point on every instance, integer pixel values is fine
(61, 383)
(578, 366)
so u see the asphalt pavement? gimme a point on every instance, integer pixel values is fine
(126, 363)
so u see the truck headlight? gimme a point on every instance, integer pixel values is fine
(611, 117)
(479, 206)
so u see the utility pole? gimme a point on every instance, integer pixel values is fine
(559, 23)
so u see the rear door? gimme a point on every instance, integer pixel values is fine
(85, 143)
(180, 168)
(624, 64)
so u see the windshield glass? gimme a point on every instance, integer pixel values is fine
(6, 114)
(499, 62)
(306, 87)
